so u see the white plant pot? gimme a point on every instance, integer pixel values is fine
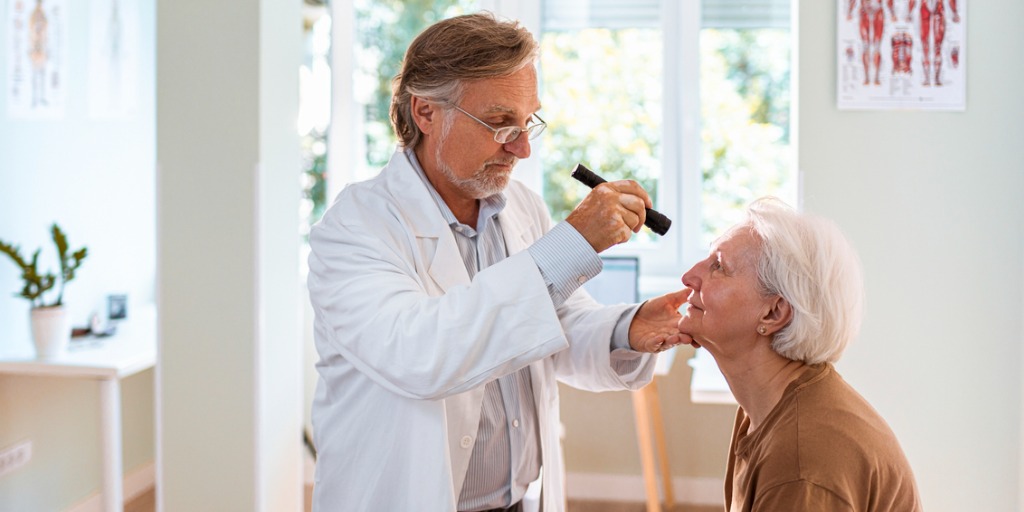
(51, 331)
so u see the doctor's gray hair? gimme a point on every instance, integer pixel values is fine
(808, 261)
(450, 53)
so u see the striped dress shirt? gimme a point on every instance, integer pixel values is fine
(506, 453)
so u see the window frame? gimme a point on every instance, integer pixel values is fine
(680, 184)
(662, 263)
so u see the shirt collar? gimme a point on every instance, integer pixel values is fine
(489, 206)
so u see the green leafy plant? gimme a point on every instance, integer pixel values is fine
(37, 284)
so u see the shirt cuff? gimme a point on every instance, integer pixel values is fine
(620, 336)
(566, 261)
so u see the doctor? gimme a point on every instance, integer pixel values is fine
(446, 304)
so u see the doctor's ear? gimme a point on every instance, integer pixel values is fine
(424, 113)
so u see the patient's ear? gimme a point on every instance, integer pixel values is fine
(778, 316)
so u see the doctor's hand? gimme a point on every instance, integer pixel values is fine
(611, 213)
(655, 326)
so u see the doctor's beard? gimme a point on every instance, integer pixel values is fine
(483, 183)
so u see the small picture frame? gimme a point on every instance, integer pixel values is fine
(117, 307)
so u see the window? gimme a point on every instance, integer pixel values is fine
(603, 86)
(746, 140)
(314, 113)
(691, 99)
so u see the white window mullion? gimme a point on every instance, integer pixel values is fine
(344, 141)
(688, 91)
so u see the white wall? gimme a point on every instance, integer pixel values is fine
(94, 177)
(933, 203)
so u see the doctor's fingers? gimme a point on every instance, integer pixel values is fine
(632, 188)
(602, 219)
(634, 213)
(619, 200)
(633, 202)
(631, 220)
(663, 343)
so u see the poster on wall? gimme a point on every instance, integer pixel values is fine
(901, 54)
(113, 58)
(37, 58)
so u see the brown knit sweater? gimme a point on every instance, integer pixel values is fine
(822, 448)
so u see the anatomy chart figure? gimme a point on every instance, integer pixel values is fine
(933, 31)
(37, 52)
(902, 53)
(872, 24)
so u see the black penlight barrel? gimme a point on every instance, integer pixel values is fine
(655, 220)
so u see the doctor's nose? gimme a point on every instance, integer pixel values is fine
(519, 147)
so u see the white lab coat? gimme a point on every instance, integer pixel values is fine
(407, 342)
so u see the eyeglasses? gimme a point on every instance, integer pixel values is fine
(507, 134)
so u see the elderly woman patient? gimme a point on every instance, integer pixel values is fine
(776, 302)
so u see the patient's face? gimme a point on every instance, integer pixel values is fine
(725, 305)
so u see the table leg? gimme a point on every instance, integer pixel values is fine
(643, 434)
(110, 429)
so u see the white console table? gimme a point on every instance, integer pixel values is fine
(107, 360)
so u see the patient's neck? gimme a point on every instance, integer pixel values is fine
(758, 383)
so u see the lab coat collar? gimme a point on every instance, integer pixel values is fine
(413, 197)
(425, 221)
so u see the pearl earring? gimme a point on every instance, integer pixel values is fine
(762, 330)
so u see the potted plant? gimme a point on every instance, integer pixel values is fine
(51, 329)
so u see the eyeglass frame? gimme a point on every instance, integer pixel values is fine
(532, 131)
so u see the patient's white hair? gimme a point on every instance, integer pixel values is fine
(808, 262)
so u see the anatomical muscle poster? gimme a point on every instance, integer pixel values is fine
(902, 54)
